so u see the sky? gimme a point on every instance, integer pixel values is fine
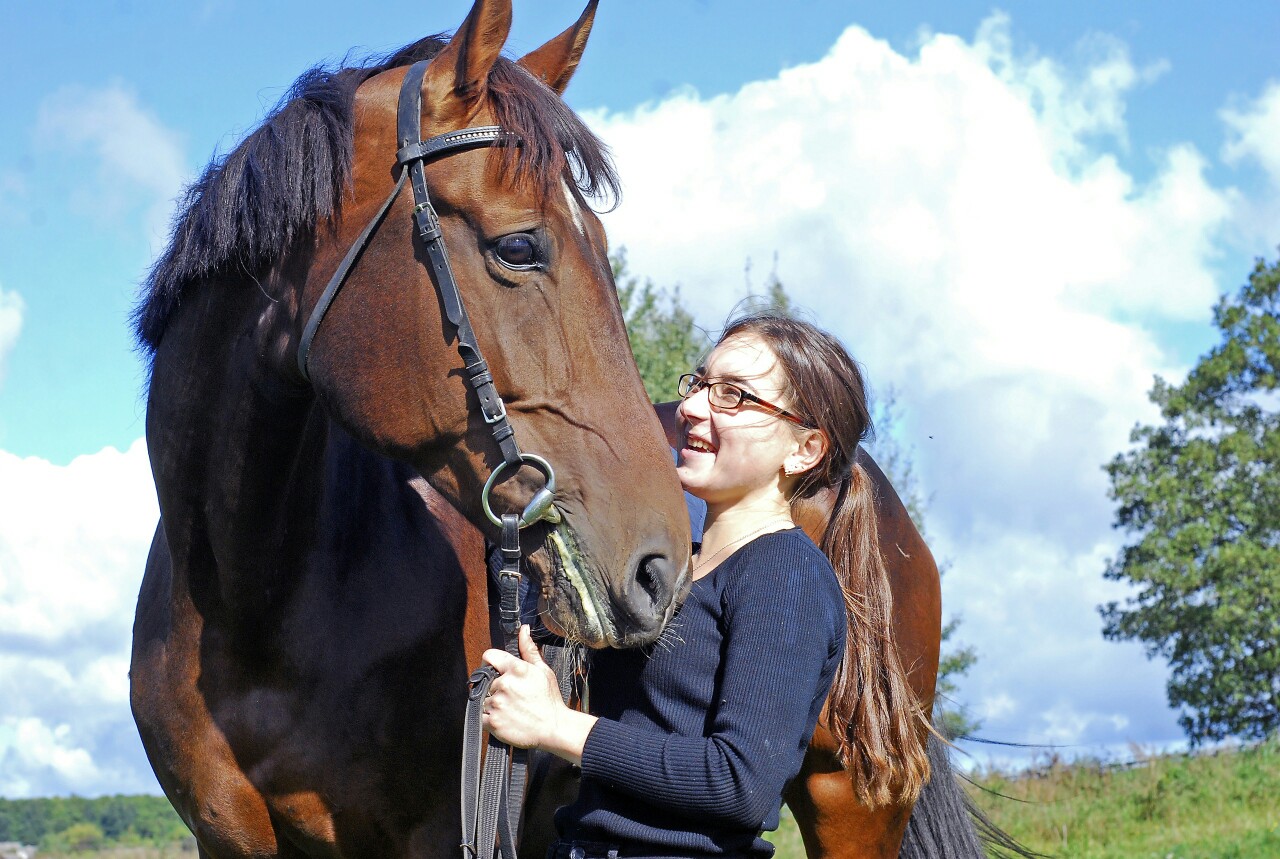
(1014, 216)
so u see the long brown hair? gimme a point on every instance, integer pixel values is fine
(872, 711)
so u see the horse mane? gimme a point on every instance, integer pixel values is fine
(249, 208)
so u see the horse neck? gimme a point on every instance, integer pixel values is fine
(237, 450)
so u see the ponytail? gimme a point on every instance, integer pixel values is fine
(871, 711)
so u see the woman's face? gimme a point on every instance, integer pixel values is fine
(732, 457)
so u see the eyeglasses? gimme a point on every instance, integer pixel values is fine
(728, 397)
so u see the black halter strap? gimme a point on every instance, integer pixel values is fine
(492, 799)
(410, 157)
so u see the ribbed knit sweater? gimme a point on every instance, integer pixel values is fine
(699, 734)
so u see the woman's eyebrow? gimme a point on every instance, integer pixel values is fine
(741, 381)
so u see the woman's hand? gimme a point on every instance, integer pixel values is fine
(524, 707)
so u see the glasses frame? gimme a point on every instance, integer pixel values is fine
(690, 383)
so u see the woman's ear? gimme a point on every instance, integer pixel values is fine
(811, 447)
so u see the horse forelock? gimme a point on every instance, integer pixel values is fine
(250, 207)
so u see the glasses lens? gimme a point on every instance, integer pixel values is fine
(725, 396)
(687, 385)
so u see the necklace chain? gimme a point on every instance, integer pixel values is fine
(734, 543)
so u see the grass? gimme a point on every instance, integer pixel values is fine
(1218, 805)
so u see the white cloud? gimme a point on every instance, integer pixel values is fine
(1253, 139)
(137, 154)
(1254, 131)
(11, 310)
(962, 218)
(73, 544)
(33, 746)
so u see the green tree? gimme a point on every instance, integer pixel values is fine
(77, 837)
(896, 462)
(1199, 497)
(664, 338)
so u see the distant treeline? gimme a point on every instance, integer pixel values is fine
(78, 823)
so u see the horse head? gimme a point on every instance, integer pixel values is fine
(529, 257)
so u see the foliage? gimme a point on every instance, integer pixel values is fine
(1199, 496)
(664, 338)
(70, 823)
(1203, 805)
(77, 838)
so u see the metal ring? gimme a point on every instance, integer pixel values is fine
(540, 507)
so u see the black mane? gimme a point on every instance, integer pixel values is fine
(249, 208)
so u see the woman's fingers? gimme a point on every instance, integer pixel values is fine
(502, 660)
(528, 650)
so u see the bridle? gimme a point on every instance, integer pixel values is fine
(410, 158)
(503, 778)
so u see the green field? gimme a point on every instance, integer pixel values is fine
(1221, 805)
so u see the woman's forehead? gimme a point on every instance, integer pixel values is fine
(745, 358)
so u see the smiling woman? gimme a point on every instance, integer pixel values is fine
(688, 747)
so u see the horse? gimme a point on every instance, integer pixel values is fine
(309, 612)
(317, 587)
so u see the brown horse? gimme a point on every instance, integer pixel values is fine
(314, 596)
(317, 588)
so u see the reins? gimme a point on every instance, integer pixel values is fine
(491, 799)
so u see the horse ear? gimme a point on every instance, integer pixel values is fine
(456, 78)
(556, 61)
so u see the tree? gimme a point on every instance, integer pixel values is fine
(78, 838)
(664, 338)
(1199, 497)
(667, 342)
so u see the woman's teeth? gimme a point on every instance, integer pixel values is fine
(695, 444)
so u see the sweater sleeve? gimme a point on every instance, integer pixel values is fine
(779, 639)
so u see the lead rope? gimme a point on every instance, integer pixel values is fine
(492, 797)
(484, 791)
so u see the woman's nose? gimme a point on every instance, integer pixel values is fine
(697, 405)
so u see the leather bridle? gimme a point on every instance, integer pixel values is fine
(501, 787)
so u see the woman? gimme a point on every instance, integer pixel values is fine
(689, 746)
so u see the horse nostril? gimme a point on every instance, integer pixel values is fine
(642, 601)
(649, 578)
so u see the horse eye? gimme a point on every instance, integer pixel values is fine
(517, 251)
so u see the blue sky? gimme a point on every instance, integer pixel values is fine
(207, 72)
(1015, 216)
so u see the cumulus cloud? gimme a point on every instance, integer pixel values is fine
(73, 543)
(137, 154)
(962, 218)
(11, 310)
(1255, 131)
(1253, 138)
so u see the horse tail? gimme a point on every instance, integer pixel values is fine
(946, 824)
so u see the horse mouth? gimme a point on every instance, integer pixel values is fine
(575, 598)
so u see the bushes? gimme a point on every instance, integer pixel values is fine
(76, 823)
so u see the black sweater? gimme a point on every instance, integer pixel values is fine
(699, 734)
